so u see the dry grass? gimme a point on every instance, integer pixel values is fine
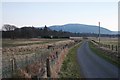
(33, 52)
(106, 40)
(24, 42)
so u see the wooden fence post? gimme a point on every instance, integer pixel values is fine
(12, 62)
(27, 64)
(112, 47)
(109, 46)
(116, 47)
(14, 66)
(56, 54)
(48, 68)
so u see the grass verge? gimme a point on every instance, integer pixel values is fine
(103, 55)
(70, 67)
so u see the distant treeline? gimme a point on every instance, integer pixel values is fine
(11, 31)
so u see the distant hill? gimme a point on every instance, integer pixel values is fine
(81, 28)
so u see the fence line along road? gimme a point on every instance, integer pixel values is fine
(31, 62)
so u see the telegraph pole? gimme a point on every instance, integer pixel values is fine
(99, 33)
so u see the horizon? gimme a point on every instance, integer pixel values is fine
(60, 25)
(40, 14)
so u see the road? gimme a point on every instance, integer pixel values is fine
(93, 66)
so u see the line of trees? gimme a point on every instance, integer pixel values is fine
(13, 32)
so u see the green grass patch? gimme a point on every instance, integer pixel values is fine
(103, 55)
(70, 67)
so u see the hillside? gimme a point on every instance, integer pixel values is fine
(81, 28)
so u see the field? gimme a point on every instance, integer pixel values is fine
(28, 58)
(111, 41)
(106, 42)
(22, 42)
(19, 56)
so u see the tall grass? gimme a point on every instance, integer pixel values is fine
(70, 67)
(103, 55)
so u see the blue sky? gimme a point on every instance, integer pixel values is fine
(59, 13)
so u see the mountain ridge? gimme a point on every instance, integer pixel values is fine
(81, 28)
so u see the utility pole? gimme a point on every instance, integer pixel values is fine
(99, 34)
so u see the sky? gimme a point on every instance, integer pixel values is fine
(39, 14)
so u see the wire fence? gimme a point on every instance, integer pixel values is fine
(34, 63)
(108, 46)
(22, 61)
(110, 49)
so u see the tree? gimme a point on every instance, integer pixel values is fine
(45, 28)
(8, 27)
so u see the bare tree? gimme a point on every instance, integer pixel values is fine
(8, 27)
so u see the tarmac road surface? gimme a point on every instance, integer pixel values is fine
(93, 66)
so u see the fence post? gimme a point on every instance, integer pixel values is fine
(48, 68)
(112, 47)
(13, 62)
(27, 64)
(116, 48)
(109, 46)
(56, 54)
